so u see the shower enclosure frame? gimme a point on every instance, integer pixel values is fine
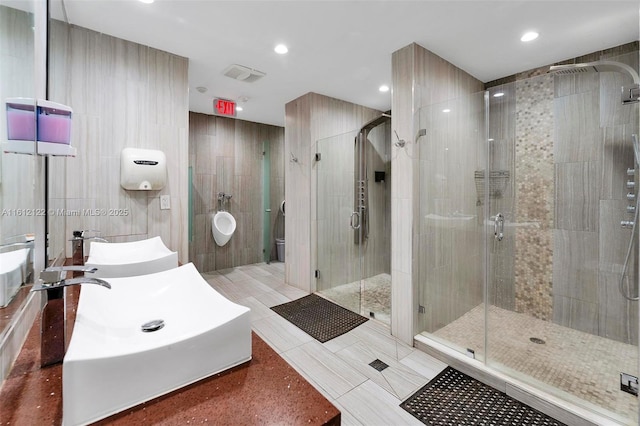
(481, 367)
(342, 212)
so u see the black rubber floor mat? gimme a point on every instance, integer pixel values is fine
(321, 319)
(453, 398)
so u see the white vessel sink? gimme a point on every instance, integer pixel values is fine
(142, 257)
(111, 364)
(13, 272)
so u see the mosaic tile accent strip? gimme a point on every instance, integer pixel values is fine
(534, 177)
(582, 366)
(318, 317)
(453, 398)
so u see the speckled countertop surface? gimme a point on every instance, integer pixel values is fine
(265, 390)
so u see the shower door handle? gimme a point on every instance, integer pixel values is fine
(351, 221)
(498, 227)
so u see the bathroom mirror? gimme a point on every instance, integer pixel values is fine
(19, 210)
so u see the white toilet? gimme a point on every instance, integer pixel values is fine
(223, 225)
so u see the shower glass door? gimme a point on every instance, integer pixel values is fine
(451, 225)
(353, 219)
(524, 192)
(556, 318)
(339, 260)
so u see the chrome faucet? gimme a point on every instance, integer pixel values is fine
(77, 245)
(55, 277)
(54, 313)
(223, 198)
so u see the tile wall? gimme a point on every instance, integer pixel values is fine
(572, 149)
(123, 95)
(226, 155)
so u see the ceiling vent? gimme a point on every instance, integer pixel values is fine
(241, 73)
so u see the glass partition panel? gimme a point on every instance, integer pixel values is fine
(376, 247)
(451, 222)
(528, 244)
(338, 256)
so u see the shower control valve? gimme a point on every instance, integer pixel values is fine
(631, 196)
(631, 209)
(627, 224)
(631, 172)
(631, 184)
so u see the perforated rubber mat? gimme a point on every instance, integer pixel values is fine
(318, 317)
(453, 398)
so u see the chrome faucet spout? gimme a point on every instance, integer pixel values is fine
(66, 283)
(84, 280)
(55, 277)
(54, 312)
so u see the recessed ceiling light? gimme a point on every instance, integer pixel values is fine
(239, 108)
(528, 36)
(146, 1)
(384, 88)
(201, 89)
(446, 110)
(498, 95)
(281, 49)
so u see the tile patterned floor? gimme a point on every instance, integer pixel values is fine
(338, 368)
(377, 297)
(582, 365)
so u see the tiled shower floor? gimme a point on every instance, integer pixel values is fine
(377, 297)
(581, 364)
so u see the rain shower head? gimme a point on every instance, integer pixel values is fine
(630, 93)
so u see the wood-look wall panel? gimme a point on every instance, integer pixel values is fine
(123, 95)
(228, 158)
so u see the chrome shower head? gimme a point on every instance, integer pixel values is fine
(630, 93)
(598, 66)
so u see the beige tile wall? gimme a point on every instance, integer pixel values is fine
(572, 149)
(225, 155)
(593, 140)
(123, 95)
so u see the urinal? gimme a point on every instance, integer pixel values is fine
(223, 225)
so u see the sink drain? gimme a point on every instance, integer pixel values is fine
(151, 326)
(537, 340)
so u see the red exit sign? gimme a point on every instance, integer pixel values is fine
(224, 107)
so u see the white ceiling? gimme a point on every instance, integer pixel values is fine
(343, 48)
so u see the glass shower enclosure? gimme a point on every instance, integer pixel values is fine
(353, 211)
(527, 192)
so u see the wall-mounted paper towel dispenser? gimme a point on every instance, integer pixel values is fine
(143, 169)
